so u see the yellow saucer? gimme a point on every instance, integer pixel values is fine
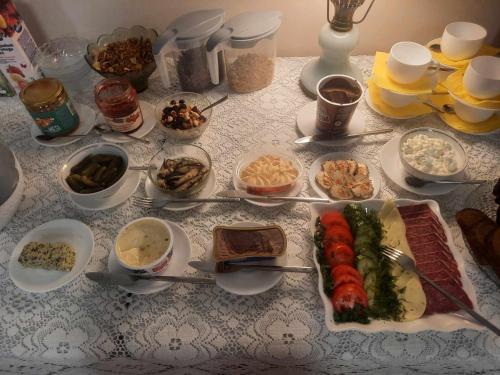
(485, 50)
(381, 78)
(484, 127)
(454, 83)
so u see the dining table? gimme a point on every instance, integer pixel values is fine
(87, 328)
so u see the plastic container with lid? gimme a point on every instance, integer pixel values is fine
(249, 45)
(180, 52)
(49, 105)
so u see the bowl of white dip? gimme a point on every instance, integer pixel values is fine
(144, 245)
(431, 154)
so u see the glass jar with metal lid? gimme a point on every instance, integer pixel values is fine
(48, 103)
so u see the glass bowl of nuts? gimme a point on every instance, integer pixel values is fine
(125, 53)
(179, 115)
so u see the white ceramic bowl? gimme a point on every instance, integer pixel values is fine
(482, 77)
(159, 264)
(397, 100)
(462, 40)
(408, 62)
(470, 113)
(461, 155)
(79, 155)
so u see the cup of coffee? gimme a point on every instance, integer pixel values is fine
(338, 97)
(408, 62)
(482, 77)
(462, 40)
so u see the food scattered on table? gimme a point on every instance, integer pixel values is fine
(58, 256)
(429, 245)
(182, 175)
(250, 72)
(430, 155)
(363, 284)
(142, 242)
(95, 173)
(269, 171)
(182, 116)
(345, 179)
(124, 56)
(233, 243)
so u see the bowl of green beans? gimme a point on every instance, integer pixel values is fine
(95, 171)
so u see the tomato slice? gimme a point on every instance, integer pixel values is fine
(344, 274)
(346, 296)
(338, 253)
(334, 218)
(338, 233)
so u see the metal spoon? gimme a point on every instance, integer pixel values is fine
(417, 182)
(444, 109)
(104, 129)
(47, 137)
(223, 99)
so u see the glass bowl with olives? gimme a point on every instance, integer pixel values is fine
(179, 115)
(95, 171)
(180, 170)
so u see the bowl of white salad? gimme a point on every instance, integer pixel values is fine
(431, 154)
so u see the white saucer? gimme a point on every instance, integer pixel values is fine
(87, 122)
(374, 108)
(394, 170)
(128, 188)
(306, 122)
(181, 252)
(249, 282)
(316, 167)
(148, 115)
(38, 280)
(208, 191)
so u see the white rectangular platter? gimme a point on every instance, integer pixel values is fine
(436, 322)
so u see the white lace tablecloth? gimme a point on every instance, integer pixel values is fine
(86, 328)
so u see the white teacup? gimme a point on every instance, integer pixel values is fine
(470, 113)
(462, 40)
(482, 77)
(397, 100)
(408, 62)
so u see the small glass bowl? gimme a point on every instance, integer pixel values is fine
(176, 152)
(193, 99)
(279, 189)
(433, 133)
(138, 78)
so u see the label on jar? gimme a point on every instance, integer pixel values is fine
(62, 120)
(126, 124)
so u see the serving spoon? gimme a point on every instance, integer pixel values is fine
(417, 182)
(223, 99)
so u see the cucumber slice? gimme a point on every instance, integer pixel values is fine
(365, 265)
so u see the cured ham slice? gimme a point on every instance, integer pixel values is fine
(428, 243)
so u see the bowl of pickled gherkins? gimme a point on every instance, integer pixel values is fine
(96, 171)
